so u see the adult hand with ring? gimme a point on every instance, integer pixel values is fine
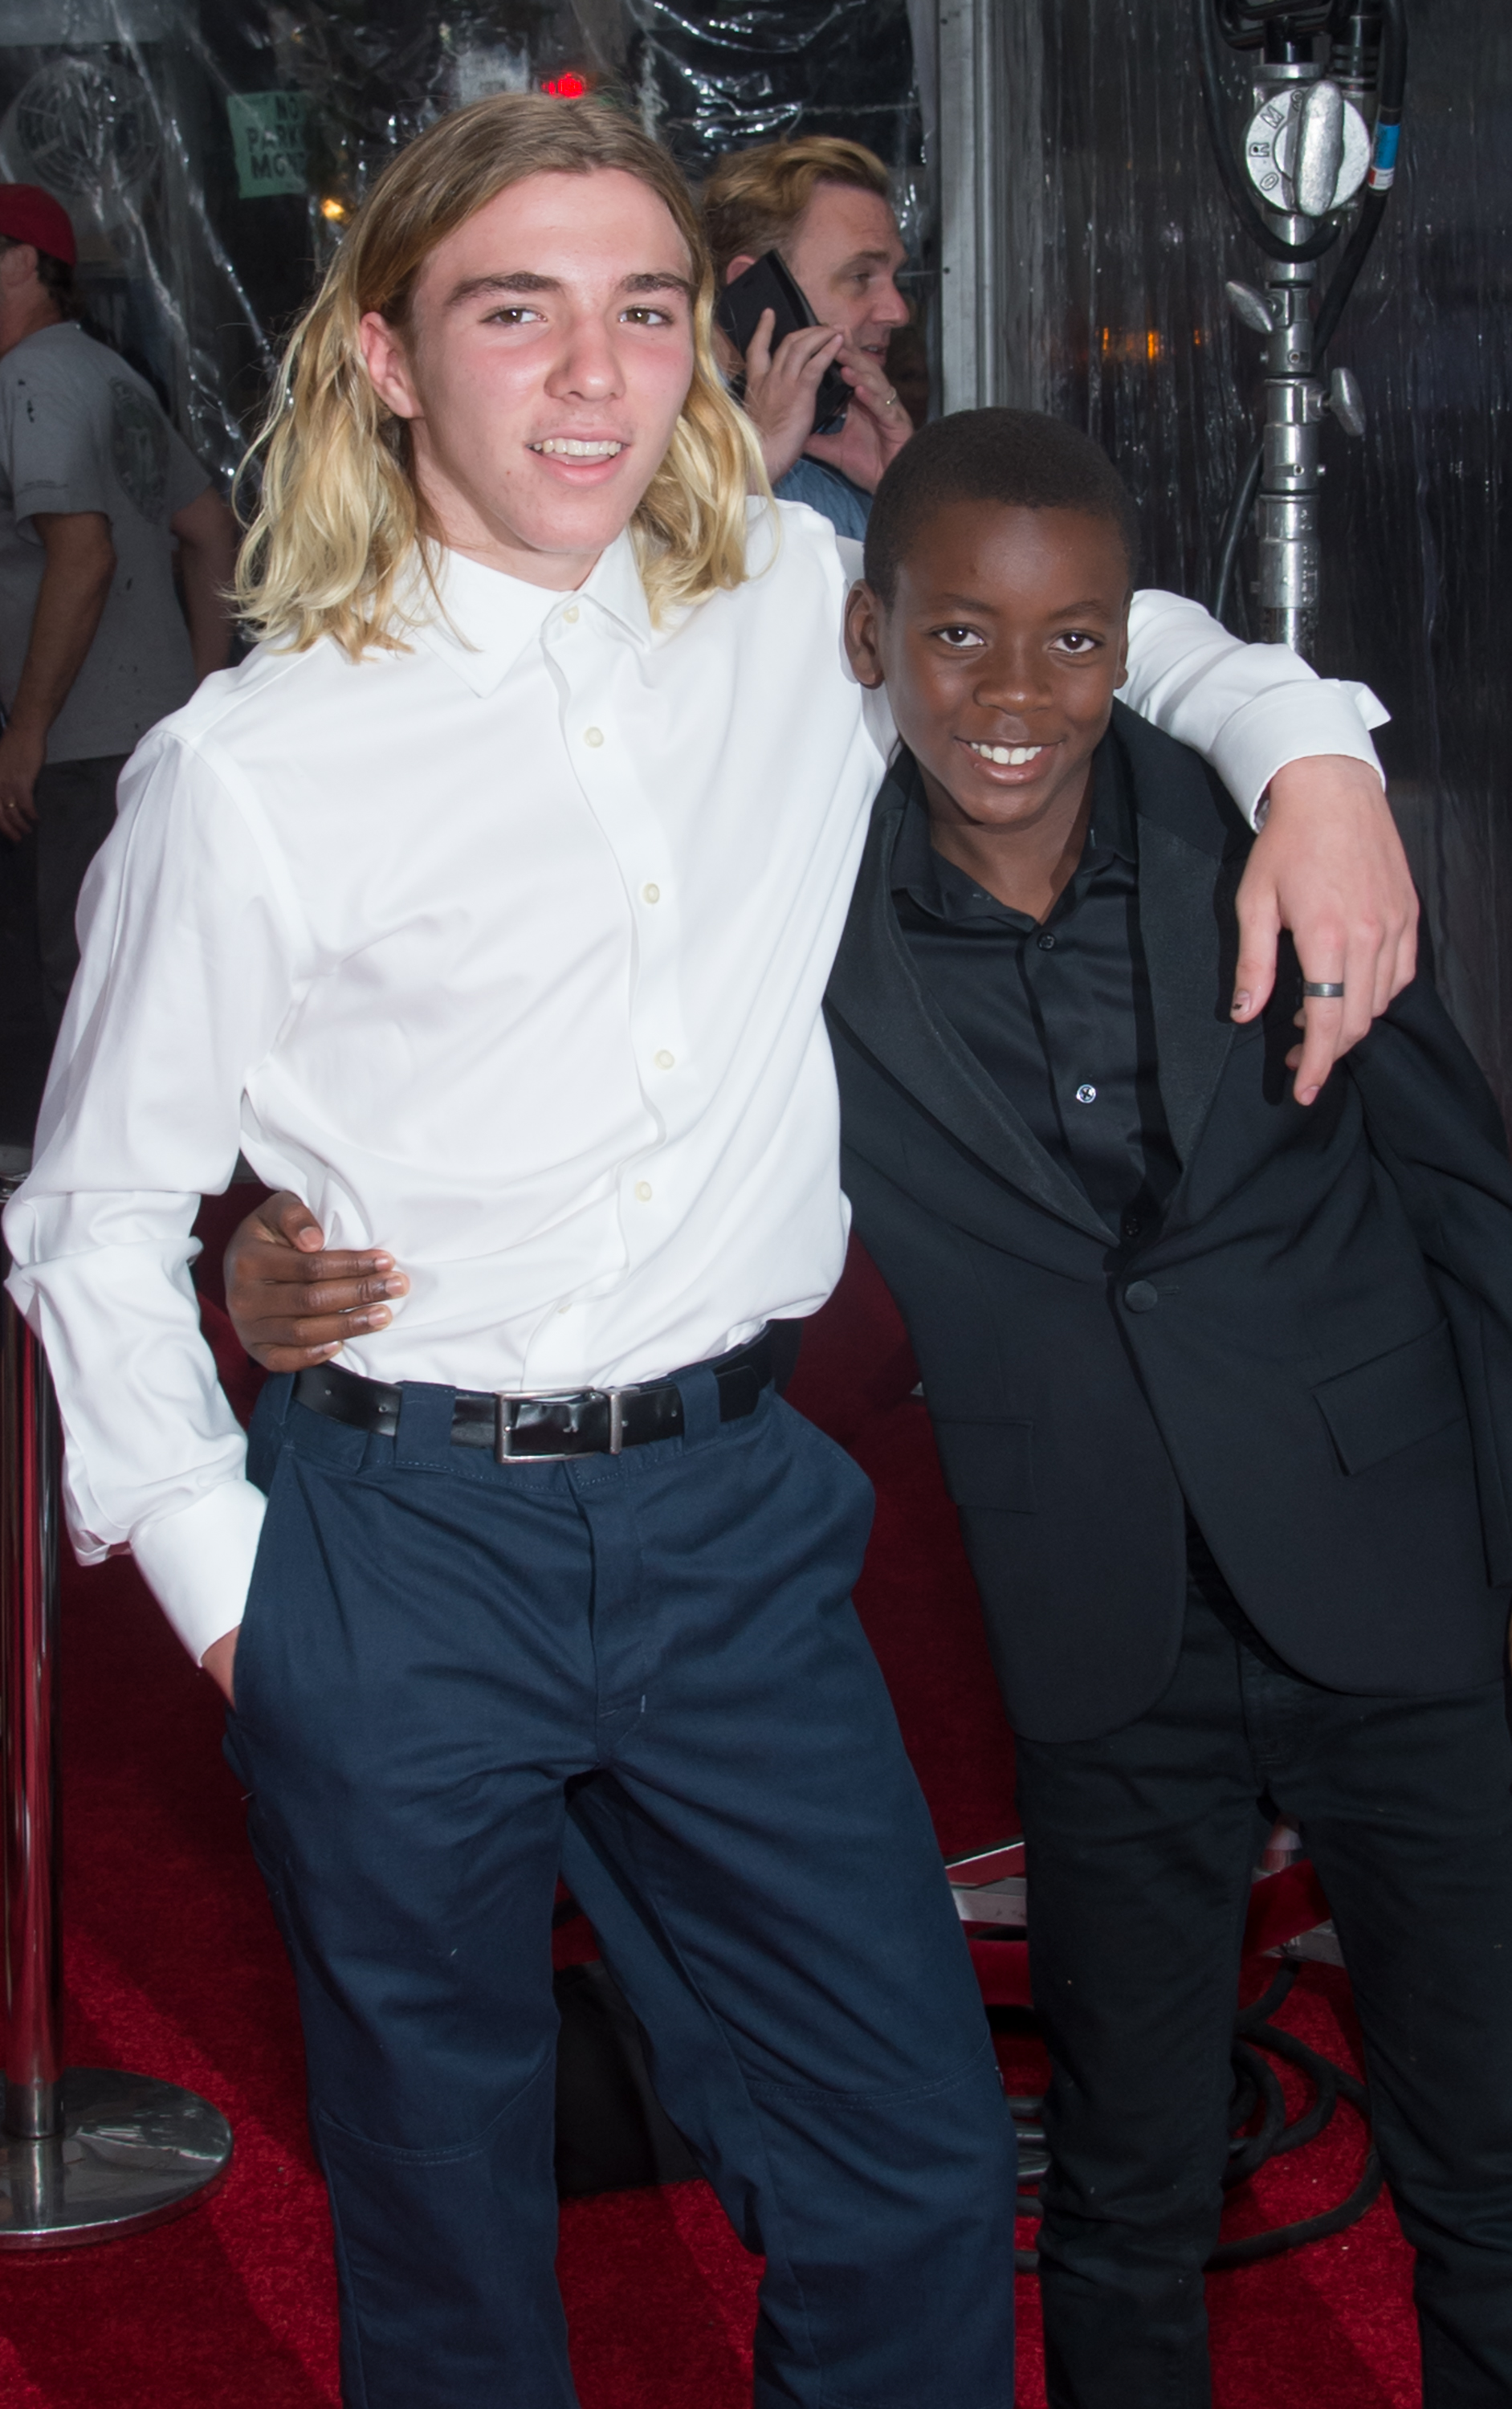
(876, 426)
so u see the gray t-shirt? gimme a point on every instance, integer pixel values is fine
(81, 431)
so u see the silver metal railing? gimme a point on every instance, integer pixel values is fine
(85, 2154)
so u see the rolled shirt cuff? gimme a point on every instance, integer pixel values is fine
(1292, 723)
(199, 1564)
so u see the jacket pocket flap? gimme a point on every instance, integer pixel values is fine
(1394, 1400)
(988, 1467)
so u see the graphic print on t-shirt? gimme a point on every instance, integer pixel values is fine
(138, 449)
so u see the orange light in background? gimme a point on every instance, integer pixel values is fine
(566, 87)
(333, 211)
(1152, 345)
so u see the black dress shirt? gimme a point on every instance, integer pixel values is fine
(1059, 1013)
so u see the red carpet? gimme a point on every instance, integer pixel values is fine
(173, 1969)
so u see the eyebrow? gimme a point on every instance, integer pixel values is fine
(525, 280)
(1093, 604)
(870, 258)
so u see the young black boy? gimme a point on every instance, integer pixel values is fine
(1223, 1391)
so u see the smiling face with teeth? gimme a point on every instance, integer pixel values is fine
(1001, 651)
(545, 356)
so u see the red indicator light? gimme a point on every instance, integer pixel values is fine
(566, 87)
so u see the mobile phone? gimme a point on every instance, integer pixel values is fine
(768, 284)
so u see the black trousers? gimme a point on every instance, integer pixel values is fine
(1140, 1846)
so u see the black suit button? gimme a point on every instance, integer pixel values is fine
(1141, 1296)
(1047, 943)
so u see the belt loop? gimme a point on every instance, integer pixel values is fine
(699, 1392)
(424, 1431)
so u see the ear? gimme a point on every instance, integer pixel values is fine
(863, 636)
(739, 264)
(18, 266)
(388, 364)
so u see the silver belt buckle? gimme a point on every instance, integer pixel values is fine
(504, 1429)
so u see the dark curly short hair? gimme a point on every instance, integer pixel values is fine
(1018, 457)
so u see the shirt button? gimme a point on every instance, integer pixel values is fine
(1141, 1296)
(1086, 1095)
(1045, 943)
(665, 1060)
(570, 614)
(652, 893)
(643, 1190)
(564, 1308)
(594, 736)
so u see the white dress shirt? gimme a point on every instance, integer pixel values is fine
(507, 952)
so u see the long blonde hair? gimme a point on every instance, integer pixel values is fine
(339, 517)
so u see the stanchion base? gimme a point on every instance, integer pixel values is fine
(133, 2153)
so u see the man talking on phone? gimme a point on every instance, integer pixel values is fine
(822, 206)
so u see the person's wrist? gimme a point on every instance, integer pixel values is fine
(778, 452)
(24, 741)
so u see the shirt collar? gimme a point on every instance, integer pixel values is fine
(950, 893)
(487, 619)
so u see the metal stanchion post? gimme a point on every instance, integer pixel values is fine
(84, 2153)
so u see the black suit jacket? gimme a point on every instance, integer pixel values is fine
(1314, 1349)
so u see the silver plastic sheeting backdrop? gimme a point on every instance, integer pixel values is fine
(210, 151)
(1121, 240)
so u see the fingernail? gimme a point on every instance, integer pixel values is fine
(1306, 1095)
(1240, 1002)
(395, 1287)
(378, 1319)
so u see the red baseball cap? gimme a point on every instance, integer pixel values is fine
(27, 214)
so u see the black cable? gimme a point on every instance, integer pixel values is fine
(1249, 2151)
(1392, 83)
(1233, 529)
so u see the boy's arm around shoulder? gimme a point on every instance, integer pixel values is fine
(1435, 1126)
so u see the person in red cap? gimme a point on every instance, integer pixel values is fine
(97, 491)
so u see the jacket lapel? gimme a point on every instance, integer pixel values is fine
(1189, 868)
(875, 992)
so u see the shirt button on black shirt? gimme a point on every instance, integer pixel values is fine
(1038, 1032)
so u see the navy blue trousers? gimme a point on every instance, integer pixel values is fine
(456, 1678)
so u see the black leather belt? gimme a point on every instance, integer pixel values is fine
(590, 1421)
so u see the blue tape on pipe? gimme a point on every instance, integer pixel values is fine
(1383, 166)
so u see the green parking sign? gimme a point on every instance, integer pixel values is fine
(267, 130)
